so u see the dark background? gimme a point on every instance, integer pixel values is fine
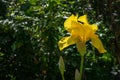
(31, 29)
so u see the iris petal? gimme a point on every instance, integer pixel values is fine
(65, 42)
(77, 28)
(82, 31)
(96, 42)
(67, 23)
(94, 27)
(83, 19)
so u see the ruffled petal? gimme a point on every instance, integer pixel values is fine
(96, 42)
(82, 31)
(83, 19)
(67, 23)
(77, 29)
(65, 42)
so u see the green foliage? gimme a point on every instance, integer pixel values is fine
(30, 30)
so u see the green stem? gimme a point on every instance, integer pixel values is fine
(63, 77)
(81, 66)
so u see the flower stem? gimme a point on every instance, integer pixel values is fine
(81, 66)
(63, 77)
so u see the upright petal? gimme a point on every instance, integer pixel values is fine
(96, 42)
(77, 29)
(67, 23)
(83, 19)
(65, 42)
(82, 31)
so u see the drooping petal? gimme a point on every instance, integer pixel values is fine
(96, 42)
(83, 19)
(67, 23)
(65, 42)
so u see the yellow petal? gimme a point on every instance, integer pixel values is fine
(67, 23)
(65, 42)
(96, 42)
(83, 19)
(82, 31)
(77, 28)
(94, 27)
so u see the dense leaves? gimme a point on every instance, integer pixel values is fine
(30, 30)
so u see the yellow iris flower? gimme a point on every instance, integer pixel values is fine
(80, 32)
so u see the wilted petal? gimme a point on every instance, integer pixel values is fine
(96, 42)
(67, 23)
(65, 42)
(83, 19)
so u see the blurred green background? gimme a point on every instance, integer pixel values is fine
(31, 29)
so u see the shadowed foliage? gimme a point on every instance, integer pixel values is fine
(30, 31)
